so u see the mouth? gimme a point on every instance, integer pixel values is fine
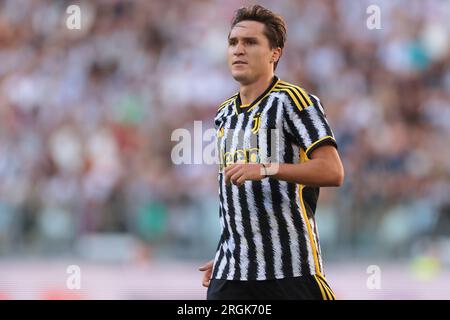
(239, 62)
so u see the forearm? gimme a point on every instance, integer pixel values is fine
(315, 172)
(324, 169)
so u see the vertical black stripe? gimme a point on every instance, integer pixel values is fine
(269, 142)
(263, 215)
(309, 124)
(246, 224)
(316, 104)
(248, 233)
(216, 266)
(322, 115)
(319, 251)
(230, 110)
(286, 255)
(310, 197)
(227, 252)
(276, 192)
(265, 228)
(231, 212)
(219, 260)
(296, 215)
(314, 100)
(294, 133)
(227, 235)
(226, 270)
(225, 232)
(221, 240)
(264, 219)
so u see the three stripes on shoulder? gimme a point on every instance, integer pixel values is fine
(226, 102)
(297, 94)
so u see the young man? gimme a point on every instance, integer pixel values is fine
(269, 182)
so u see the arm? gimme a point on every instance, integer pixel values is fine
(324, 169)
(308, 128)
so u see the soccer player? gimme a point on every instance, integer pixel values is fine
(269, 183)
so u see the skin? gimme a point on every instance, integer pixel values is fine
(247, 43)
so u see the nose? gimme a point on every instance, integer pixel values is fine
(239, 49)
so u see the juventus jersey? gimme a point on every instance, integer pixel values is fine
(268, 230)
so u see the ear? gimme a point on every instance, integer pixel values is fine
(276, 54)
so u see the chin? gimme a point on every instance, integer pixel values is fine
(241, 77)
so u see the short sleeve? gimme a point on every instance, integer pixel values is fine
(308, 127)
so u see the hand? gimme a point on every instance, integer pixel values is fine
(207, 268)
(238, 173)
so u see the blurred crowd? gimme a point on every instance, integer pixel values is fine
(86, 118)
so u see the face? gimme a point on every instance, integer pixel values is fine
(249, 53)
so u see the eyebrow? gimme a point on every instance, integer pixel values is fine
(243, 38)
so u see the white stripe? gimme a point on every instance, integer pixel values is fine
(257, 237)
(254, 221)
(298, 124)
(220, 114)
(262, 134)
(317, 121)
(237, 134)
(223, 262)
(319, 104)
(216, 257)
(222, 229)
(225, 213)
(231, 245)
(231, 108)
(223, 247)
(292, 232)
(268, 205)
(322, 109)
(224, 109)
(275, 237)
(319, 251)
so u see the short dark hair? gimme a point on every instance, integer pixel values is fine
(275, 26)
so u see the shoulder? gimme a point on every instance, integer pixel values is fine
(224, 108)
(227, 102)
(296, 95)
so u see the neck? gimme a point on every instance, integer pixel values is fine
(249, 92)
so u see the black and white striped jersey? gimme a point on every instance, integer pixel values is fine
(268, 226)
